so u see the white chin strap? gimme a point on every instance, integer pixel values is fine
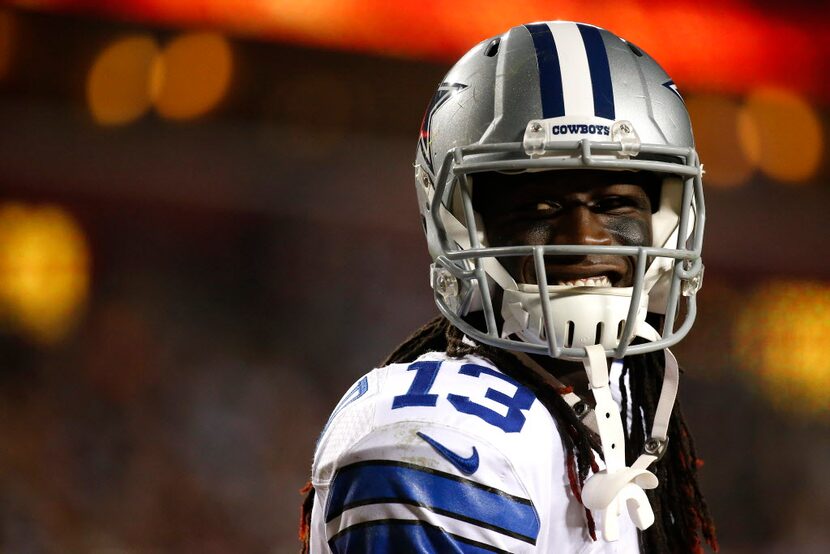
(618, 486)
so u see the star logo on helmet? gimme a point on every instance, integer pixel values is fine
(444, 92)
(672, 87)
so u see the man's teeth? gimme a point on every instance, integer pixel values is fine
(601, 281)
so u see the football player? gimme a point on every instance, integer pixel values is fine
(562, 202)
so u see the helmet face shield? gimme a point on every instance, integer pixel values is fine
(550, 319)
(559, 96)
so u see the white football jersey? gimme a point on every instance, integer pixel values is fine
(450, 456)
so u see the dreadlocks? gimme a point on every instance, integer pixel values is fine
(681, 513)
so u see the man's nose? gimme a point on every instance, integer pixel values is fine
(580, 225)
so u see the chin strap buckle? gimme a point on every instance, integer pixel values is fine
(656, 447)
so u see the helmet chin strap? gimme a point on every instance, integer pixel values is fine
(619, 486)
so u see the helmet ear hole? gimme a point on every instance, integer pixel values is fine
(620, 328)
(492, 48)
(636, 51)
(598, 338)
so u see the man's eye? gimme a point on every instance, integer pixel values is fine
(548, 206)
(612, 203)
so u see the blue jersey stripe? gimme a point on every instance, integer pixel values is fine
(550, 74)
(383, 481)
(600, 71)
(404, 537)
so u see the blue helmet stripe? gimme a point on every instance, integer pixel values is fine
(600, 71)
(391, 535)
(383, 481)
(550, 74)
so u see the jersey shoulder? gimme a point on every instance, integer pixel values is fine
(445, 455)
(432, 453)
(469, 395)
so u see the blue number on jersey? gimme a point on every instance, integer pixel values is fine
(425, 373)
(417, 395)
(522, 399)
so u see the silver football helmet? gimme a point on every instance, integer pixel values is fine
(548, 96)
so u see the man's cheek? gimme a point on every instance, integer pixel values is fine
(631, 231)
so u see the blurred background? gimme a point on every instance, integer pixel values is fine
(208, 232)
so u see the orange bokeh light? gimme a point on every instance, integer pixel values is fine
(715, 123)
(118, 83)
(781, 342)
(782, 134)
(44, 269)
(192, 75)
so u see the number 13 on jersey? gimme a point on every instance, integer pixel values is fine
(425, 374)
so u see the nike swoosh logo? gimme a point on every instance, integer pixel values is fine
(467, 465)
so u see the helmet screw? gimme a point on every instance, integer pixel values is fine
(446, 283)
(655, 447)
(422, 175)
(625, 128)
(535, 126)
